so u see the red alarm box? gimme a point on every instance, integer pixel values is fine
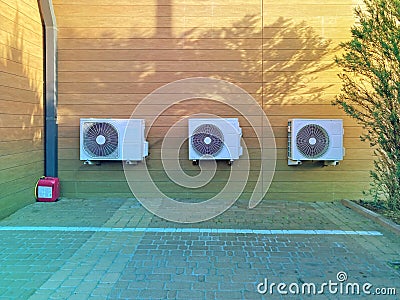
(48, 189)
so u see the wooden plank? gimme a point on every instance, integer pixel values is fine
(276, 187)
(154, 43)
(315, 2)
(271, 31)
(153, 2)
(345, 165)
(15, 55)
(20, 82)
(325, 76)
(314, 20)
(26, 96)
(17, 68)
(297, 79)
(74, 167)
(133, 87)
(138, 21)
(159, 32)
(219, 54)
(312, 54)
(184, 109)
(11, 203)
(306, 11)
(329, 187)
(20, 159)
(135, 98)
(35, 167)
(182, 10)
(20, 108)
(27, 8)
(11, 187)
(120, 98)
(81, 187)
(334, 34)
(204, 196)
(351, 163)
(21, 122)
(179, 111)
(27, 44)
(10, 134)
(29, 23)
(29, 66)
(18, 52)
(162, 66)
(9, 27)
(159, 77)
(71, 190)
(282, 120)
(275, 121)
(31, 3)
(20, 146)
(321, 176)
(96, 173)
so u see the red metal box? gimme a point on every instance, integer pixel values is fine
(47, 189)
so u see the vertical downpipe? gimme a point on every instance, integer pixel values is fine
(50, 87)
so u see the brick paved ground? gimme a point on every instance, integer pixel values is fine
(78, 264)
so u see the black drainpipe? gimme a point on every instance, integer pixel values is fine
(50, 87)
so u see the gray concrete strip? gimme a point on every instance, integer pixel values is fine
(192, 230)
(373, 216)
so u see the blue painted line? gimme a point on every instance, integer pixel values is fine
(190, 230)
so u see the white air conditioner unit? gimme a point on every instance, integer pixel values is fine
(112, 139)
(214, 138)
(315, 140)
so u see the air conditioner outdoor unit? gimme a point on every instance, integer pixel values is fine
(112, 139)
(214, 138)
(315, 140)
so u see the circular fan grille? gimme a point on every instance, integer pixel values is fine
(207, 139)
(312, 141)
(100, 139)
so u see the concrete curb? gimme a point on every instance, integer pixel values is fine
(372, 215)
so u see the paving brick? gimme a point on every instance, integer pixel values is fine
(71, 283)
(51, 285)
(178, 285)
(153, 294)
(190, 294)
(117, 265)
(110, 278)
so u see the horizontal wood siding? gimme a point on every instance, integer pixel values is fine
(114, 53)
(21, 103)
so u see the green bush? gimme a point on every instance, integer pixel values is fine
(371, 90)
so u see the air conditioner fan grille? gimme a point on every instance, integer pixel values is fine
(312, 141)
(207, 139)
(100, 139)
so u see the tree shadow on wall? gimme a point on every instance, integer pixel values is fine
(285, 62)
(278, 65)
(279, 70)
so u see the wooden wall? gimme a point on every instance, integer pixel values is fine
(113, 53)
(21, 103)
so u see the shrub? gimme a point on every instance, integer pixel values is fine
(371, 90)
